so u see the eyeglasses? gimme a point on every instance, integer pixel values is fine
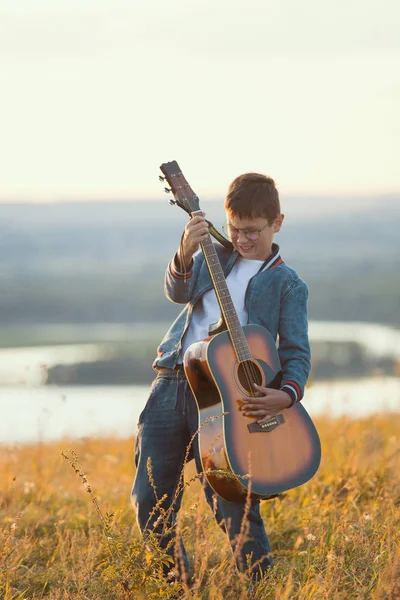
(251, 234)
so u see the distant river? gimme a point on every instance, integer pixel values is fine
(24, 365)
(43, 413)
(31, 412)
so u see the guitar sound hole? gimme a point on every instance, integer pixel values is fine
(248, 373)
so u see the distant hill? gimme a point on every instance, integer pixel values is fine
(39, 235)
(87, 262)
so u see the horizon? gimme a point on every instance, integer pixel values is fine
(105, 198)
(347, 203)
(294, 206)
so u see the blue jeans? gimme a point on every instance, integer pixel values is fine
(165, 428)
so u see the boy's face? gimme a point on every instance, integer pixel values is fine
(251, 246)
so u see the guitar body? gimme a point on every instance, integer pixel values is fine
(237, 454)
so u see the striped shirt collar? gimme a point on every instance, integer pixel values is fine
(273, 260)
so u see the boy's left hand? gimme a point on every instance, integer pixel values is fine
(269, 404)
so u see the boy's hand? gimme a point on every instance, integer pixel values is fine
(269, 404)
(195, 232)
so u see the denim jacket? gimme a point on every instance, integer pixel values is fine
(275, 298)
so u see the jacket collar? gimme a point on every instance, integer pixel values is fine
(273, 260)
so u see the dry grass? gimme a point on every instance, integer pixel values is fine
(335, 537)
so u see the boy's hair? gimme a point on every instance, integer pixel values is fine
(253, 195)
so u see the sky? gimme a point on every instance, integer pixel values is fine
(95, 95)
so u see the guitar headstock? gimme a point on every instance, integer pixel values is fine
(181, 190)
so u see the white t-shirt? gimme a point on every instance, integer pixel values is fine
(207, 312)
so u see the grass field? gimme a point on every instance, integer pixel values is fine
(70, 533)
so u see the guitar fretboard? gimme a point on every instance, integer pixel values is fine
(228, 310)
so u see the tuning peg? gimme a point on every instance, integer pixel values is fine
(172, 202)
(161, 178)
(167, 190)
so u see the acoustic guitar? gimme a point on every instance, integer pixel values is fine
(240, 456)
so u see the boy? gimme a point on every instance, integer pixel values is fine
(264, 291)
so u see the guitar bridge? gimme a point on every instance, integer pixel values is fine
(269, 425)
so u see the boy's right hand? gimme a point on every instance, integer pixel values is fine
(196, 231)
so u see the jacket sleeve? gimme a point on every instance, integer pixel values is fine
(179, 286)
(294, 347)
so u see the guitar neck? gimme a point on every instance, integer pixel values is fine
(228, 310)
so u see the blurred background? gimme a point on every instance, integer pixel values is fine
(96, 96)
